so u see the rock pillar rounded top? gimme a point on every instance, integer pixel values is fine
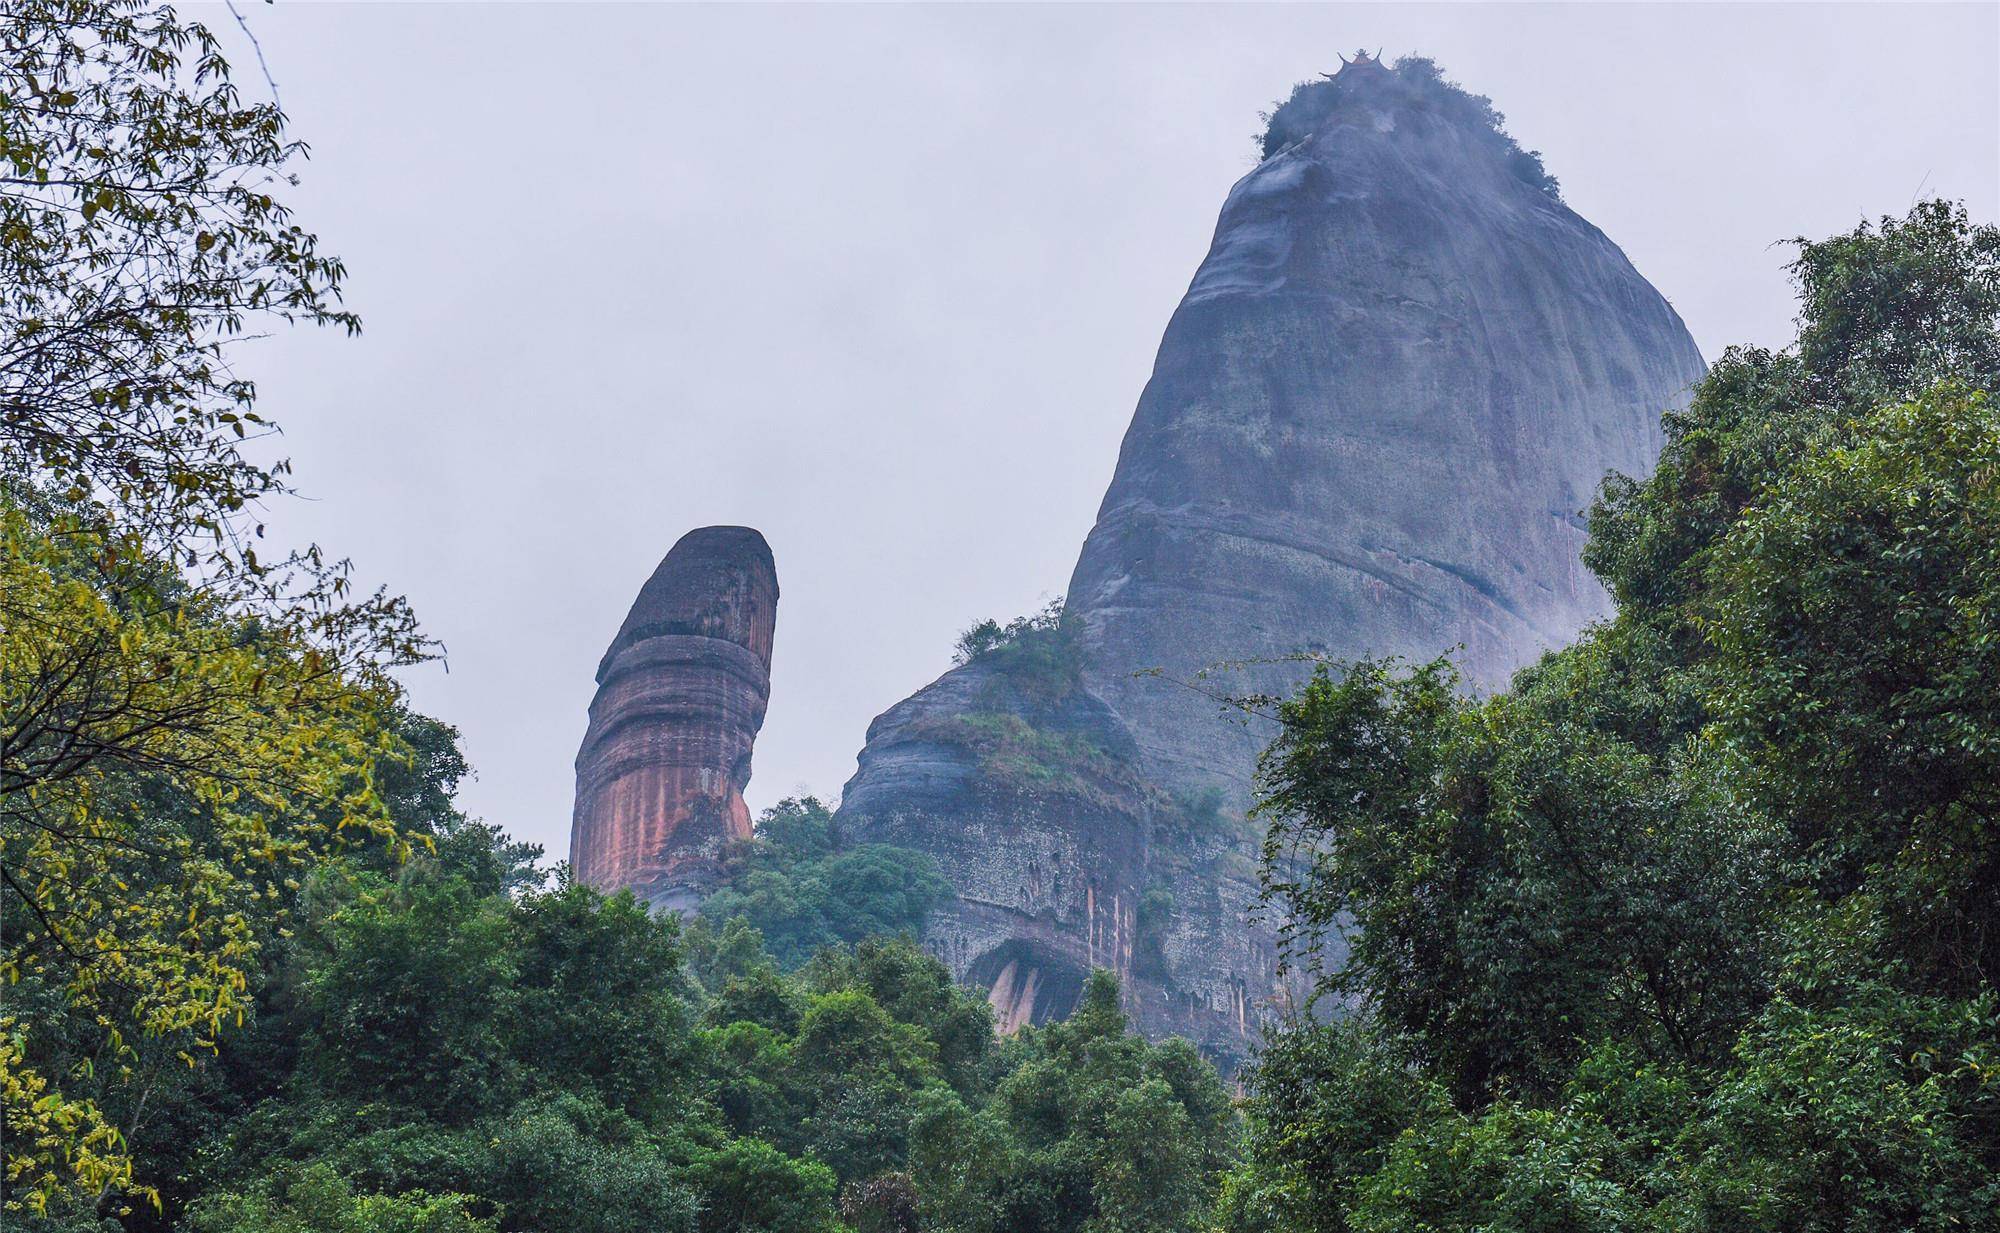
(681, 693)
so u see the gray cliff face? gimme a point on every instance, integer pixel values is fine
(1394, 383)
(1027, 799)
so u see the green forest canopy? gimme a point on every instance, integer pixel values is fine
(1692, 928)
(1697, 926)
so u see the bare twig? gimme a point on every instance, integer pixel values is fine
(259, 49)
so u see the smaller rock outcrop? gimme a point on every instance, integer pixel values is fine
(681, 694)
(1030, 777)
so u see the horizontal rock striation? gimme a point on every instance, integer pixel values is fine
(1064, 857)
(681, 694)
(1372, 426)
(1025, 796)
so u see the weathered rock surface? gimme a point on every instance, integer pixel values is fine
(1374, 420)
(1023, 791)
(681, 694)
(1372, 424)
(1026, 789)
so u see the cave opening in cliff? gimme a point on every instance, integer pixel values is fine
(1027, 983)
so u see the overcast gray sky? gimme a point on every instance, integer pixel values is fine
(885, 283)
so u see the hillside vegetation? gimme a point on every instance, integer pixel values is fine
(1696, 927)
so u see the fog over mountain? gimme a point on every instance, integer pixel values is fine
(884, 283)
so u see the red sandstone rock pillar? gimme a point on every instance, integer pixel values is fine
(680, 696)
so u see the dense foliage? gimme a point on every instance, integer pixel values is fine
(1695, 926)
(170, 769)
(185, 728)
(801, 889)
(428, 1049)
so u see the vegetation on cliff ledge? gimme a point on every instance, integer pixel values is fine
(1033, 731)
(1420, 85)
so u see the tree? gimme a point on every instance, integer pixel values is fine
(1691, 928)
(915, 989)
(170, 767)
(1040, 632)
(1854, 618)
(319, 1200)
(1089, 1129)
(801, 890)
(414, 1005)
(1887, 311)
(1513, 882)
(1325, 1102)
(750, 1186)
(187, 725)
(140, 236)
(567, 1162)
